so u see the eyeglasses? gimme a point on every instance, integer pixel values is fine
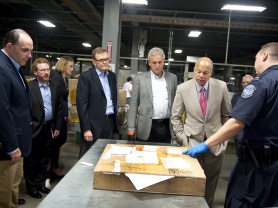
(102, 60)
(43, 70)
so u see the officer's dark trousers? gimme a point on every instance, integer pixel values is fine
(250, 187)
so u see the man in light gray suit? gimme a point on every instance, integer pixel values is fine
(152, 96)
(199, 125)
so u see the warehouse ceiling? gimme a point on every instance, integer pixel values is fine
(79, 21)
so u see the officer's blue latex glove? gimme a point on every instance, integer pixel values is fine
(200, 148)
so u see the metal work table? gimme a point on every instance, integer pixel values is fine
(76, 189)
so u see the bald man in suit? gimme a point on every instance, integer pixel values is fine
(202, 123)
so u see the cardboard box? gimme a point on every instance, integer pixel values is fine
(121, 116)
(72, 90)
(122, 98)
(74, 114)
(187, 180)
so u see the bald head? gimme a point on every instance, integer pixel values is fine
(266, 57)
(203, 70)
(18, 45)
(246, 80)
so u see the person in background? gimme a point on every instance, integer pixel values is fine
(253, 181)
(47, 103)
(128, 88)
(207, 105)
(153, 93)
(64, 67)
(97, 102)
(15, 111)
(245, 81)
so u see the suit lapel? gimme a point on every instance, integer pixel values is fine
(211, 94)
(97, 80)
(53, 96)
(169, 87)
(148, 82)
(38, 93)
(194, 97)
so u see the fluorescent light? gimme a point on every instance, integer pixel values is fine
(87, 45)
(170, 59)
(192, 59)
(125, 66)
(243, 8)
(178, 51)
(136, 2)
(46, 23)
(194, 34)
(166, 64)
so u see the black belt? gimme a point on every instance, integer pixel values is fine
(109, 116)
(269, 155)
(48, 123)
(161, 120)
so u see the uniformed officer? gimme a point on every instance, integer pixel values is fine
(254, 179)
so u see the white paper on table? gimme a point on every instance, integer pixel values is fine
(142, 157)
(174, 151)
(141, 181)
(150, 148)
(119, 151)
(174, 162)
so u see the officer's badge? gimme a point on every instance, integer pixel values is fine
(248, 91)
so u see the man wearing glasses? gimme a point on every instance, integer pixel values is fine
(96, 101)
(151, 102)
(47, 103)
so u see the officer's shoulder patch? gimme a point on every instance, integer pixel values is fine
(248, 91)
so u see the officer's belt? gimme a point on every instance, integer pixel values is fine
(262, 154)
(266, 154)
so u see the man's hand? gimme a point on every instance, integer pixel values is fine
(193, 151)
(16, 156)
(88, 136)
(131, 135)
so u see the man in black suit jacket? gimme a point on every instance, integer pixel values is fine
(15, 114)
(46, 97)
(96, 101)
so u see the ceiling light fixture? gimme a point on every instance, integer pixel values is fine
(46, 23)
(243, 8)
(178, 51)
(194, 34)
(166, 64)
(87, 45)
(136, 2)
(170, 59)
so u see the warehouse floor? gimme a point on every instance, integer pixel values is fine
(69, 156)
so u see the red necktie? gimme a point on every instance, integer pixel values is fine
(203, 101)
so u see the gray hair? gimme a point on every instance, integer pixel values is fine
(156, 51)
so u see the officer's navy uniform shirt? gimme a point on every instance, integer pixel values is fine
(257, 108)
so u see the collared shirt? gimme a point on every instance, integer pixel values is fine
(16, 65)
(46, 97)
(160, 97)
(199, 87)
(103, 77)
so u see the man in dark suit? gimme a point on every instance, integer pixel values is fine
(15, 111)
(96, 101)
(46, 97)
